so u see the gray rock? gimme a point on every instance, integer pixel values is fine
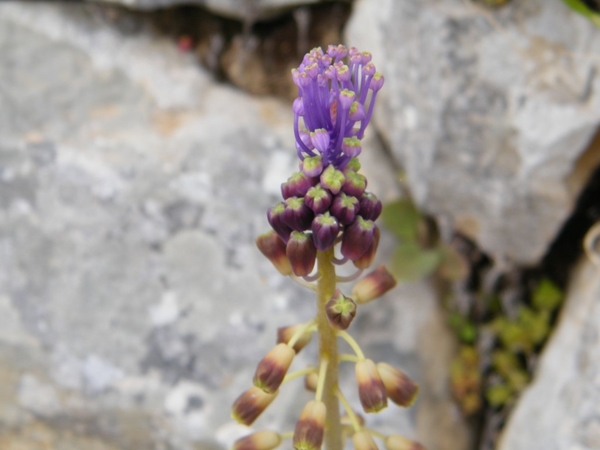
(133, 303)
(560, 410)
(488, 112)
(237, 9)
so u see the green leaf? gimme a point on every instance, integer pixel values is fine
(402, 219)
(410, 262)
(547, 295)
(582, 8)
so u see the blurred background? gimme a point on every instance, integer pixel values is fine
(142, 141)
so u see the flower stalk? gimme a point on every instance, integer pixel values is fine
(325, 206)
(328, 349)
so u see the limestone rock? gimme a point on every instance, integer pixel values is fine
(561, 408)
(488, 111)
(238, 9)
(133, 303)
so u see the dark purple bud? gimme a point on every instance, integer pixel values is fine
(367, 258)
(340, 311)
(275, 218)
(318, 199)
(357, 238)
(297, 185)
(332, 179)
(355, 184)
(312, 167)
(297, 215)
(344, 208)
(370, 206)
(325, 229)
(301, 252)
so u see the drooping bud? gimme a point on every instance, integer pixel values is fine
(355, 184)
(357, 238)
(310, 428)
(370, 206)
(397, 442)
(318, 199)
(301, 252)
(312, 166)
(344, 208)
(332, 179)
(320, 139)
(275, 218)
(297, 215)
(250, 405)
(340, 311)
(325, 229)
(371, 390)
(263, 440)
(311, 381)
(399, 387)
(362, 440)
(367, 258)
(273, 247)
(297, 185)
(284, 334)
(376, 82)
(373, 285)
(272, 368)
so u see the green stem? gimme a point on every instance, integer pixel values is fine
(328, 350)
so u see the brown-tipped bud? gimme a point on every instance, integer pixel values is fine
(397, 442)
(311, 381)
(399, 387)
(367, 259)
(284, 334)
(340, 311)
(273, 247)
(362, 440)
(308, 434)
(301, 252)
(371, 390)
(373, 285)
(357, 238)
(250, 405)
(272, 368)
(263, 440)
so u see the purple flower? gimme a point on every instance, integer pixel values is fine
(335, 102)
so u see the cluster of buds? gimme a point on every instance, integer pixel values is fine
(325, 204)
(326, 200)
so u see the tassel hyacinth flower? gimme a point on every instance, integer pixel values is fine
(326, 217)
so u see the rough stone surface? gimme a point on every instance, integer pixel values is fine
(488, 111)
(238, 9)
(561, 408)
(133, 304)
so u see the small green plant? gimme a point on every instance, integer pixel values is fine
(417, 253)
(327, 219)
